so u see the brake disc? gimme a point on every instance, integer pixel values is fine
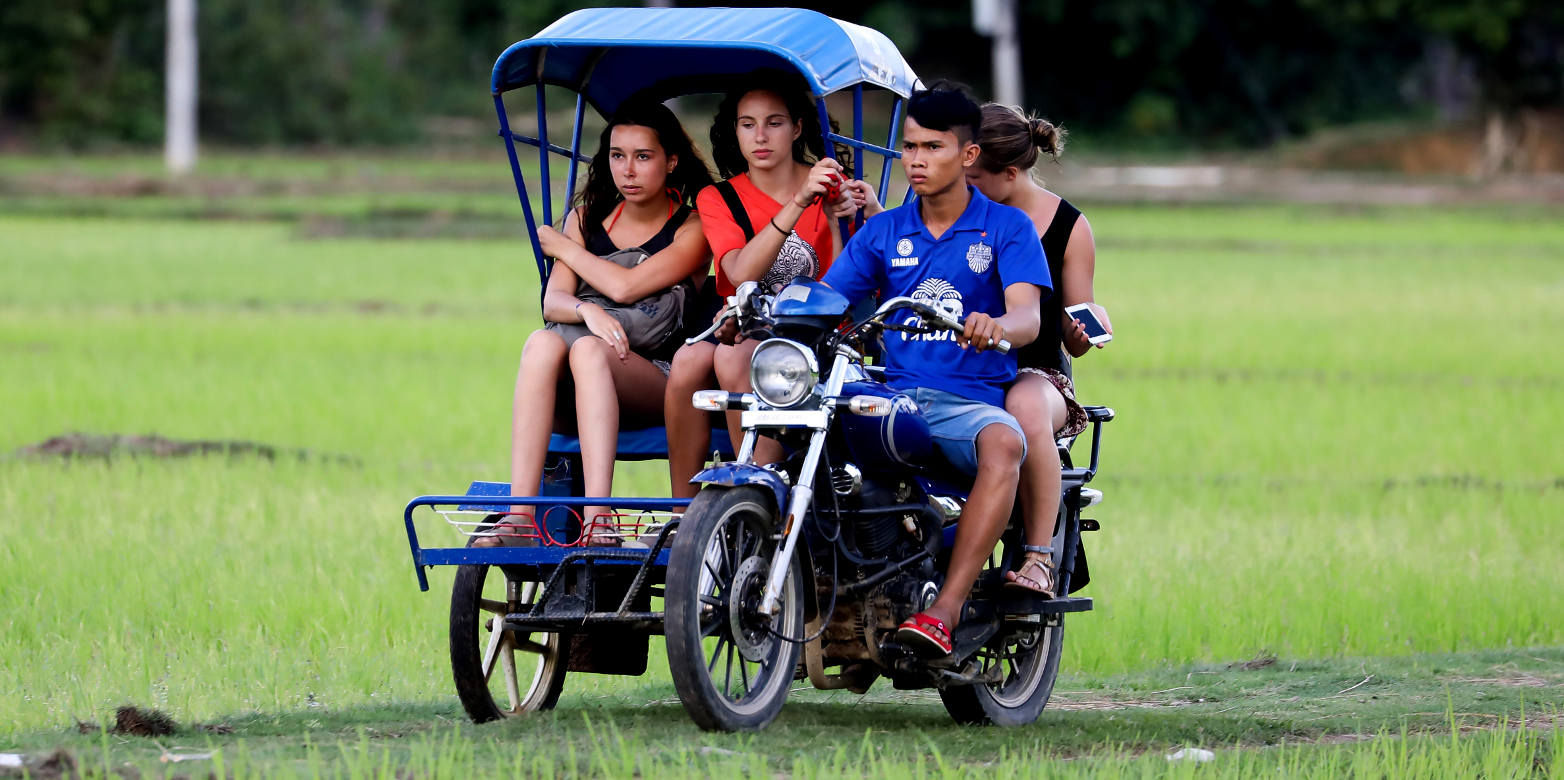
(749, 627)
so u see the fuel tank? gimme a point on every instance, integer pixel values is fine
(898, 440)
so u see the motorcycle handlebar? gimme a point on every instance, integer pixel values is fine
(931, 314)
(743, 302)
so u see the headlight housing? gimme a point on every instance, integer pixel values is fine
(783, 372)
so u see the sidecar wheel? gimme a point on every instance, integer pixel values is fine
(505, 675)
(731, 670)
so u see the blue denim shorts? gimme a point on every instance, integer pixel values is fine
(956, 422)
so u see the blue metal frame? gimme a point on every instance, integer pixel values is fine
(574, 155)
(903, 81)
(524, 556)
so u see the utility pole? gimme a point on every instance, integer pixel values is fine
(179, 97)
(997, 19)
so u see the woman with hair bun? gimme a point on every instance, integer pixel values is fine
(1043, 396)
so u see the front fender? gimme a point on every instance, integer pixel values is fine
(740, 474)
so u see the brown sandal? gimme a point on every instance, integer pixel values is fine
(1035, 574)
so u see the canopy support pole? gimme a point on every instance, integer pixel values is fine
(546, 183)
(575, 150)
(857, 158)
(521, 186)
(890, 143)
(830, 151)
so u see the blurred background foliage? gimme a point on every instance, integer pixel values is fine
(1200, 74)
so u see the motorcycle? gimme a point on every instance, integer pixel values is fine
(804, 569)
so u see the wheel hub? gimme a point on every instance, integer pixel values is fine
(751, 630)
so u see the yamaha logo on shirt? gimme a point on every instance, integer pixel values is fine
(979, 257)
(904, 247)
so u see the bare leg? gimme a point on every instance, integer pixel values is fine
(689, 429)
(605, 385)
(1038, 406)
(732, 363)
(983, 520)
(532, 412)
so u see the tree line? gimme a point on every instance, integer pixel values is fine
(1198, 73)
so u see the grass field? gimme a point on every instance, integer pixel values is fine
(1337, 443)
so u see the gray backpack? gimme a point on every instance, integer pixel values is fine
(650, 324)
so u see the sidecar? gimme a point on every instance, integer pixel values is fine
(552, 604)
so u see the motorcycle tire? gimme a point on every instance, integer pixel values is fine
(716, 574)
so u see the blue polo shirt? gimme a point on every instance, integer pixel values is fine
(990, 247)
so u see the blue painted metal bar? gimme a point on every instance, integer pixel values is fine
(858, 129)
(504, 501)
(858, 136)
(445, 556)
(575, 150)
(526, 204)
(866, 146)
(525, 556)
(555, 148)
(890, 143)
(547, 184)
(830, 151)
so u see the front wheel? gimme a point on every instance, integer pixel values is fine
(731, 665)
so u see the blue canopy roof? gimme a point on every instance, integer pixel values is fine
(608, 54)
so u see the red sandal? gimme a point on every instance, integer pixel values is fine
(925, 633)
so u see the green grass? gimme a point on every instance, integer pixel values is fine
(1423, 716)
(1337, 438)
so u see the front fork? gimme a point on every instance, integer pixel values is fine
(803, 492)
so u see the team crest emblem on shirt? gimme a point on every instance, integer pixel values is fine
(904, 247)
(979, 257)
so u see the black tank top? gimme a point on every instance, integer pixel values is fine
(1048, 350)
(598, 242)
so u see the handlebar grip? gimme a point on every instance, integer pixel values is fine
(1004, 346)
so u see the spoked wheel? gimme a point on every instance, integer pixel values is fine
(730, 667)
(1023, 658)
(501, 673)
(1026, 663)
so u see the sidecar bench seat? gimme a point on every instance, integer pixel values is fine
(640, 443)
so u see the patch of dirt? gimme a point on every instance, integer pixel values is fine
(137, 722)
(95, 445)
(1260, 661)
(56, 764)
(1516, 680)
(215, 728)
(1063, 701)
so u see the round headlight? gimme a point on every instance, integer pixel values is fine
(782, 372)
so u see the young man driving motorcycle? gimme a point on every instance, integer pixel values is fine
(976, 258)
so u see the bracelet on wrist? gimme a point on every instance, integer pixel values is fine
(785, 233)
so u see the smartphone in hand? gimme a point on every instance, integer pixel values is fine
(1084, 314)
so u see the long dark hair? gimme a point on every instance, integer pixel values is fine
(690, 174)
(807, 148)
